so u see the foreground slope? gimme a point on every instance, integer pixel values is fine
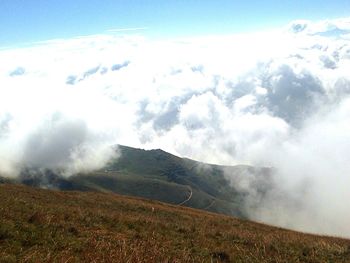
(38, 225)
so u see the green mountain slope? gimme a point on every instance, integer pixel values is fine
(158, 175)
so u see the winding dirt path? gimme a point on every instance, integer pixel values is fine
(189, 197)
(210, 205)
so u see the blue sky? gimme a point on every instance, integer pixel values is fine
(23, 21)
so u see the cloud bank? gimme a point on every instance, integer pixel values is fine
(276, 99)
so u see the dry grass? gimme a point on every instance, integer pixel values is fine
(50, 226)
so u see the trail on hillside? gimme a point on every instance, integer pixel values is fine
(189, 197)
(210, 205)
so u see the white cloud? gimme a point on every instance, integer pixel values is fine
(271, 98)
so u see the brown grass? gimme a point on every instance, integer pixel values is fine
(50, 226)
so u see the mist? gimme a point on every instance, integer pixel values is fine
(270, 99)
(308, 187)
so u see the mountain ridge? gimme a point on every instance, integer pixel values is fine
(159, 175)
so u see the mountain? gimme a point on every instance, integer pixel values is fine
(158, 175)
(40, 225)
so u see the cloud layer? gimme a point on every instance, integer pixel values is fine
(277, 99)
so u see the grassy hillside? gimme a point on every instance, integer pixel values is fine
(158, 175)
(161, 176)
(38, 225)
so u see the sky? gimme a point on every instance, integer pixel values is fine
(23, 21)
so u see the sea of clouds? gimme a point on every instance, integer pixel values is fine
(275, 99)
